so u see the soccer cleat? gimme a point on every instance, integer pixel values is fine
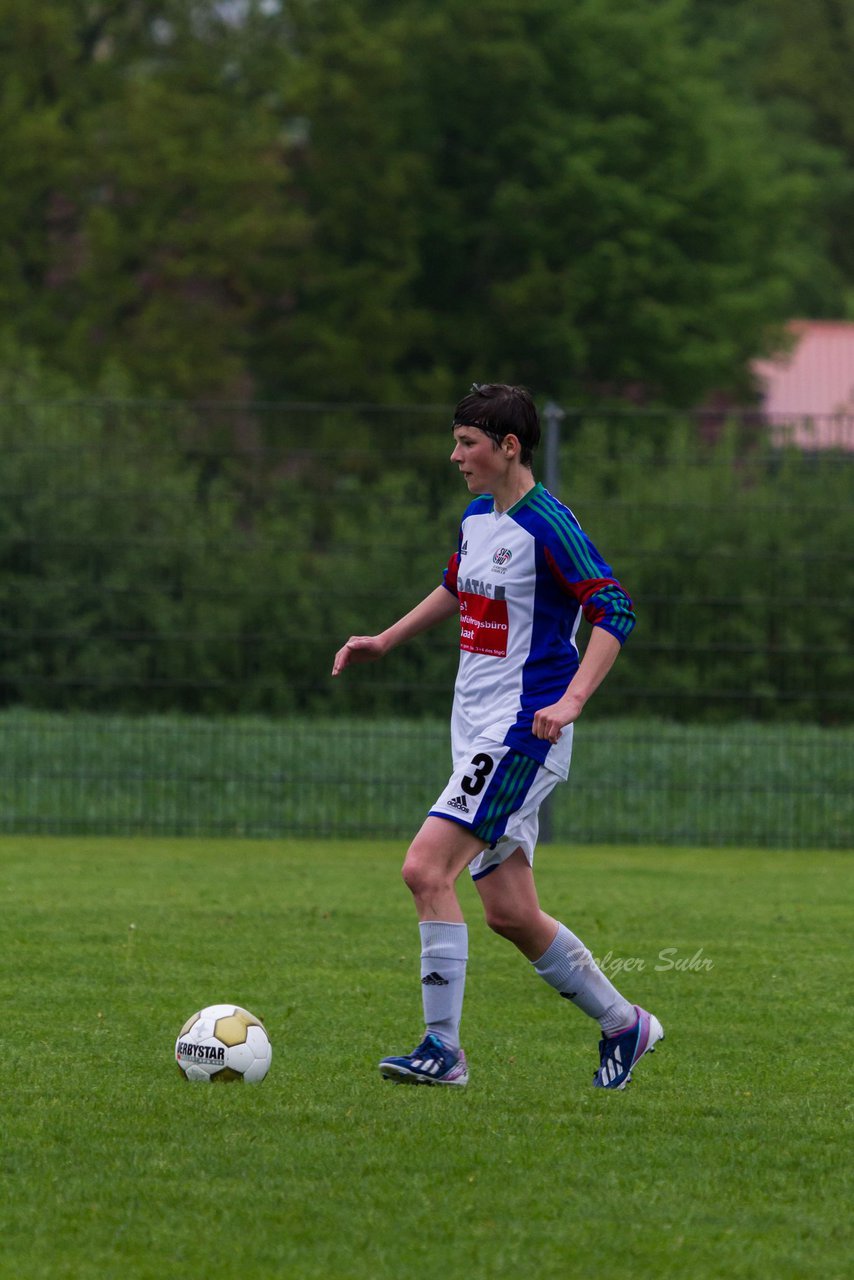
(618, 1054)
(431, 1063)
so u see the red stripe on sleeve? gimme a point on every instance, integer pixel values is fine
(449, 576)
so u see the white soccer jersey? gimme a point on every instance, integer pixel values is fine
(523, 578)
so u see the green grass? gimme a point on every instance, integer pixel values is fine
(632, 781)
(725, 1157)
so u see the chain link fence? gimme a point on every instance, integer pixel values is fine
(177, 578)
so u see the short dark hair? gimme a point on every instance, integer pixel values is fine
(500, 410)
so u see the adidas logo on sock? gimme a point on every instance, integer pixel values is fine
(434, 980)
(459, 803)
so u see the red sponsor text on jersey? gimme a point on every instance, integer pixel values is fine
(483, 625)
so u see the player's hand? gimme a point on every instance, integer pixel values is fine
(358, 649)
(549, 721)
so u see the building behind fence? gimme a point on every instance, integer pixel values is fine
(177, 578)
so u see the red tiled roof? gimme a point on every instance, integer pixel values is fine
(808, 391)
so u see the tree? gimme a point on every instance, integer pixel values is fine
(602, 217)
(375, 201)
(565, 195)
(150, 218)
(794, 61)
(809, 63)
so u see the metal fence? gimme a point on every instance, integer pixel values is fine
(176, 579)
(632, 781)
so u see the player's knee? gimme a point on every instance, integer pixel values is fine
(422, 877)
(505, 921)
(410, 875)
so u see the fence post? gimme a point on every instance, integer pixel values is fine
(553, 416)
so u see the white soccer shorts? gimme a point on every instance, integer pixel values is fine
(497, 793)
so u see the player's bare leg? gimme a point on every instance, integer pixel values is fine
(439, 853)
(512, 909)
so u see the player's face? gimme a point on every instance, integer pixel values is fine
(480, 461)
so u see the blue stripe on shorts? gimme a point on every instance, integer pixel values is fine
(505, 795)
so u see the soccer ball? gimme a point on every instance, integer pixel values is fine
(223, 1042)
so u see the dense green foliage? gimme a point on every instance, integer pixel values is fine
(149, 562)
(794, 62)
(738, 559)
(350, 199)
(721, 1159)
(144, 217)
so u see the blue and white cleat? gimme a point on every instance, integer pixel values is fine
(431, 1063)
(618, 1054)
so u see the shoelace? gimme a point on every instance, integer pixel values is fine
(431, 1050)
(428, 1048)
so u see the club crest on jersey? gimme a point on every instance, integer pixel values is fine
(502, 555)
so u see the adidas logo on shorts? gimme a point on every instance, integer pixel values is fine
(459, 803)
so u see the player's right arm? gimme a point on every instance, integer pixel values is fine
(439, 605)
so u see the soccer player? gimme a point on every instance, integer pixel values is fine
(523, 575)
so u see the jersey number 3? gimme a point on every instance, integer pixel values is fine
(482, 764)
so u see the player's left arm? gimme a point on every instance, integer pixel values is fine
(599, 657)
(580, 571)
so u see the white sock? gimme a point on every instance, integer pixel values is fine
(569, 967)
(444, 952)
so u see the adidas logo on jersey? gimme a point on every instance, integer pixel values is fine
(459, 803)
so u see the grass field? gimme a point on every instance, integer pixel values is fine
(725, 1158)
